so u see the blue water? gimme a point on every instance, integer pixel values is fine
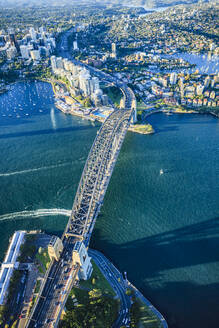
(162, 229)
(205, 63)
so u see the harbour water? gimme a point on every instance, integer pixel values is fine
(161, 228)
(205, 63)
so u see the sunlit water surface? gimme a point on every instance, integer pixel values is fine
(162, 229)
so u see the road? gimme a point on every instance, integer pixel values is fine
(53, 288)
(63, 51)
(119, 284)
(116, 280)
(61, 276)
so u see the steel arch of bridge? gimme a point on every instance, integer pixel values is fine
(96, 175)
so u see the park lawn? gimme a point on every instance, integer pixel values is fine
(98, 281)
(43, 258)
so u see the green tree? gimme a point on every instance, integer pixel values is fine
(95, 293)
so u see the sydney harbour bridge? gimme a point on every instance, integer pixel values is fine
(95, 178)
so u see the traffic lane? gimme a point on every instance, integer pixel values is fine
(120, 293)
(50, 295)
(113, 271)
(53, 293)
(113, 280)
(46, 293)
(124, 304)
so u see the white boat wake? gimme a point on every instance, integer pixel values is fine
(35, 214)
(7, 174)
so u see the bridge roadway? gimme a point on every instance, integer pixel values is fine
(61, 276)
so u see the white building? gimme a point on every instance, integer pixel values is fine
(59, 62)
(207, 82)
(199, 89)
(173, 78)
(84, 82)
(53, 62)
(42, 29)
(25, 52)
(96, 83)
(35, 54)
(33, 34)
(11, 52)
(10, 263)
(75, 45)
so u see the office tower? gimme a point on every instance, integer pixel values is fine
(11, 52)
(173, 78)
(181, 85)
(113, 55)
(25, 52)
(207, 82)
(96, 83)
(13, 40)
(35, 55)
(33, 34)
(75, 45)
(42, 30)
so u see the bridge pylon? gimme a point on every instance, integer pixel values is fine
(134, 114)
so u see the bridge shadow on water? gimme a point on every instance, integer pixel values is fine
(43, 132)
(183, 301)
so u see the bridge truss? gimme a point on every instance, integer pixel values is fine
(96, 175)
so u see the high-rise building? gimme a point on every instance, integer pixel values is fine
(13, 40)
(173, 78)
(199, 89)
(105, 100)
(181, 85)
(11, 52)
(207, 82)
(96, 83)
(53, 62)
(35, 54)
(25, 52)
(42, 29)
(114, 47)
(66, 64)
(75, 45)
(84, 82)
(113, 55)
(33, 34)
(59, 62)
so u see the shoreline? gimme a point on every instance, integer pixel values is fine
(180, 112)
(124, 283)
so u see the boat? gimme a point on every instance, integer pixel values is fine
(161, 171)
(169, 113)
